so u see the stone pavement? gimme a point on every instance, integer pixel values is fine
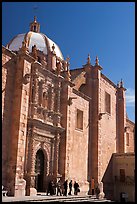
(54, 198)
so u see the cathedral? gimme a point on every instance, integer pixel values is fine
(58, 123)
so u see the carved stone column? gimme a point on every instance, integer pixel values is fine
(51, 167)
(40, 92)
(33, 191)
(30, 169)
(56, 155)
(34, 84)
(57, 117)
(51, 98)
(45, 94)
(34, 90)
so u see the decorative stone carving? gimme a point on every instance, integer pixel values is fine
(58, 70)
(26, 79)
(45, 99)
(32, 180)
(40, 91)
(51, 97)
(67, 75)
(56, 154)
(45, 114)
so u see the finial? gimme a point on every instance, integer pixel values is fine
(68, 75)
(68, 58)
(96, 61)
(53, 48)
(35, 19)
(88, 59)
(24, 47)
(118, 84)
(121, 83)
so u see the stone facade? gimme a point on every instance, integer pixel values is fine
(58, 123)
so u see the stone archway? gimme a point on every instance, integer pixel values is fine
(39, 170)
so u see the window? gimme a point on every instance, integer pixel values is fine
(107, 102)
(122, 175)
(34, 28)
(79, 119)
(127, 139)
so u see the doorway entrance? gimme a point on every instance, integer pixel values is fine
(39, 170)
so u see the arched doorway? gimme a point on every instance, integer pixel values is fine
(39, 170)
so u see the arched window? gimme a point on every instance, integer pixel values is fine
(34, 28)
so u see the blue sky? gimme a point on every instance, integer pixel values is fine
(105, 29)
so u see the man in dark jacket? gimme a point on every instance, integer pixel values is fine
(76, 188)
(65, 187)
(70, 187)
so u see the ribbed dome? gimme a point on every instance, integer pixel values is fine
(42, 42)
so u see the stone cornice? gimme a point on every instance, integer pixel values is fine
(43, 126)
(124, 154)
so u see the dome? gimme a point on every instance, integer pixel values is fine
(34, 37)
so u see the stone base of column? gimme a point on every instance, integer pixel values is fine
(101, 195)
(20, 187)
(33, 192)
(84, 188)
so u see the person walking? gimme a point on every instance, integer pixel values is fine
(59, 188)
(70, 187)
(65, 187)
(76, 188)
(50, 188)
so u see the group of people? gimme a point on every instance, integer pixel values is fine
(59, 188)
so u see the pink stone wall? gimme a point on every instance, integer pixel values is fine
(7, 99)
(23, 118)
(107, 128)
(77, 142)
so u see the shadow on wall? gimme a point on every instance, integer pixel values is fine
(108, 180)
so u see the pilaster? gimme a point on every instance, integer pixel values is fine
(93, 74)
(121, 118)
(19, 116)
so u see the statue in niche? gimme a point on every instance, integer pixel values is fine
(58, 65)
(45, 100)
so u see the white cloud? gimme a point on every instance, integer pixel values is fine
(130, 97)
